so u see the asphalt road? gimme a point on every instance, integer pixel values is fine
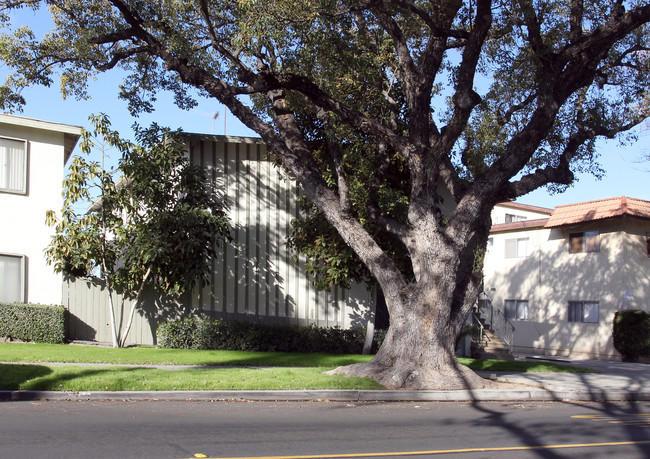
(158, 429)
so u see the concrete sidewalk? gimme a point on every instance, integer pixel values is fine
(617, 381)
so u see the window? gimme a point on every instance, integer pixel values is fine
(13, 165)
(517, 248)
(517, 309)
(12, 281)
(583, 311)
(511, 218)
(589, 241)
(490, 242)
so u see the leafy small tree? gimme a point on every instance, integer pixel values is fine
(154, 220)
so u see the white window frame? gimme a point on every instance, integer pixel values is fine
(514, 247)
(22, 274)
(583, 312)
(25, 165)
(521, 311)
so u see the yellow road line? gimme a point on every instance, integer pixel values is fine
(446, 451)
(624, 419)
(602, 417)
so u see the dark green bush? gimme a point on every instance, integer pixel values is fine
(32, 322)
(207, 333)
(631, 333)
(178, 334)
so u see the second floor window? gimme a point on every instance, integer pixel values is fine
(588, 241)
(13, 165)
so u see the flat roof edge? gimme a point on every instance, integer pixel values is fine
(223, 138)
(518, 226)
(40, 124)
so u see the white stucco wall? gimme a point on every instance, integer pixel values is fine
(24, 231)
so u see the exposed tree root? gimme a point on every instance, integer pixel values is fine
(416, 377)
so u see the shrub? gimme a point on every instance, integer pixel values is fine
(178, 334)
(631, 333)
(207, 333)
(32, 322)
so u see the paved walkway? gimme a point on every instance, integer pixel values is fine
(617, 381)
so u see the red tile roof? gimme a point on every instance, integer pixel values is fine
(598, 210)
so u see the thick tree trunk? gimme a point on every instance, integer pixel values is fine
(425, 320)
(418, 353)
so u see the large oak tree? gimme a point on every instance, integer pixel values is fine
(486, 99)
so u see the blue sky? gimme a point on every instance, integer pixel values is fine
(627, 169)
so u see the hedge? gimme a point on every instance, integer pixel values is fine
(208, 333)
(32, 322)
(631, 333)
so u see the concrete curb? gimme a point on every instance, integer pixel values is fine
(335, 395)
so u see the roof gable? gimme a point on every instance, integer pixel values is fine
(598, 210)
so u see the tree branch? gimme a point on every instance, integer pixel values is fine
(337, 158)
(430, 23)
(117, 57)
(575, 19)
(534, 30)
(205, 13)
(351, 116)
(465, 98)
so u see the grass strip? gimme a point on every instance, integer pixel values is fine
(39, 352)
(77, 378)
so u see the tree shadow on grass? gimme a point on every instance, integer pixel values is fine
(12, 376)
(39, 378)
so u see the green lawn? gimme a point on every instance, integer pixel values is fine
(88, 378)
(241, 370)
(43, 353)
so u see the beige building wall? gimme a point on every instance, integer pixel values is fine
(549, 277)
(258, 275)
